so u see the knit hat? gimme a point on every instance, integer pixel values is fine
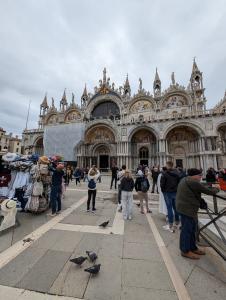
(193, 172)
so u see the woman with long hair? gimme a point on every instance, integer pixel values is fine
(127, 186)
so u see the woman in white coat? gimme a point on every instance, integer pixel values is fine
(162, 203)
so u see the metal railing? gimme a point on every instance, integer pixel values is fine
(214, 214)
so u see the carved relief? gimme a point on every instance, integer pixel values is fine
(208, 124)
(52, 120)
(100, 134)
(72, 116)
(175, 101)
(143, 136)
(139, 106)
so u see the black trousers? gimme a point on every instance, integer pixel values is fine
(114, 178)
(91, 194)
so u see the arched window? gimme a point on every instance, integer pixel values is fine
(144, 153)
(106, 109)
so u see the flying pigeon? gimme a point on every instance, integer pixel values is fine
(104, 224)
(78, 260)
(94, 269)
(92, 255)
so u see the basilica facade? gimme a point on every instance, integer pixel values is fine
(113, 126)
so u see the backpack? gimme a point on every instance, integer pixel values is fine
(144, 186)
(92, 184)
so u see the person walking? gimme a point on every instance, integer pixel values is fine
(56, 188)
(121, 174)
(188, 201)
(142, 186)
(169, 182)
(127, 186)
(114, 173)
(92, 189)
(77, 176)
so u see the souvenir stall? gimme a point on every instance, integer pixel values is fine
(26, 181)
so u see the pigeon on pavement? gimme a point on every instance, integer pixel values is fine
(138, 204)
(92, 255)
(78, 260)
(94, 269)
(104, 224)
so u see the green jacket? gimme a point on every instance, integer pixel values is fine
(187, 201)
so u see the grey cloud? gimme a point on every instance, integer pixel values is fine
(49, 45)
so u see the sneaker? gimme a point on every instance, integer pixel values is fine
(120, 208)
(88, 210)
(94, 209)
(167, 227)
(51, 215)
(58, 212)
(130, 218)
(149, 211)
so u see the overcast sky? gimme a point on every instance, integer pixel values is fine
(49, 45)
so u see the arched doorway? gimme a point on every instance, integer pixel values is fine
(183, 147)
(143, 148)
(99, 148)
(38, 146)
(144, 155)
(102, 154)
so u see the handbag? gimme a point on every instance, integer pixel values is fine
(202, 202)
(37, 188)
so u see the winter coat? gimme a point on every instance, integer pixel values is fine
(169, 181)
(138, 183)
(127, 184)
(187, 201)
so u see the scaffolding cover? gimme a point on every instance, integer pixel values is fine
(63, 139)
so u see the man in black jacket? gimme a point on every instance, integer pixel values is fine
(169, 182)
(56, 188)
(114, 174)
(142, 186)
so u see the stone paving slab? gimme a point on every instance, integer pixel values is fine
(15, 270)
(7, 293)
(146, 274)
(111, 246)
(107, 284)
(67, 241)
(41, 277)
(203, 286)
(144, 251)
(47, 240)
(135, 293)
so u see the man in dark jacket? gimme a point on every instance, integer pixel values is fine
(187, 204)
(56, 188)
(169, 182)
(114, 174)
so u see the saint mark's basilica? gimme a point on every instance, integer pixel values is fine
(112, 125)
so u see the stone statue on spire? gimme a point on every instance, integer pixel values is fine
(140, 84)
(173, 78)
(104, 75)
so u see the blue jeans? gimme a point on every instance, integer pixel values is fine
(188, 234)
(170, 198)
(55, 197)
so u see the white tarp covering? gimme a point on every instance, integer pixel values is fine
(62, 140)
